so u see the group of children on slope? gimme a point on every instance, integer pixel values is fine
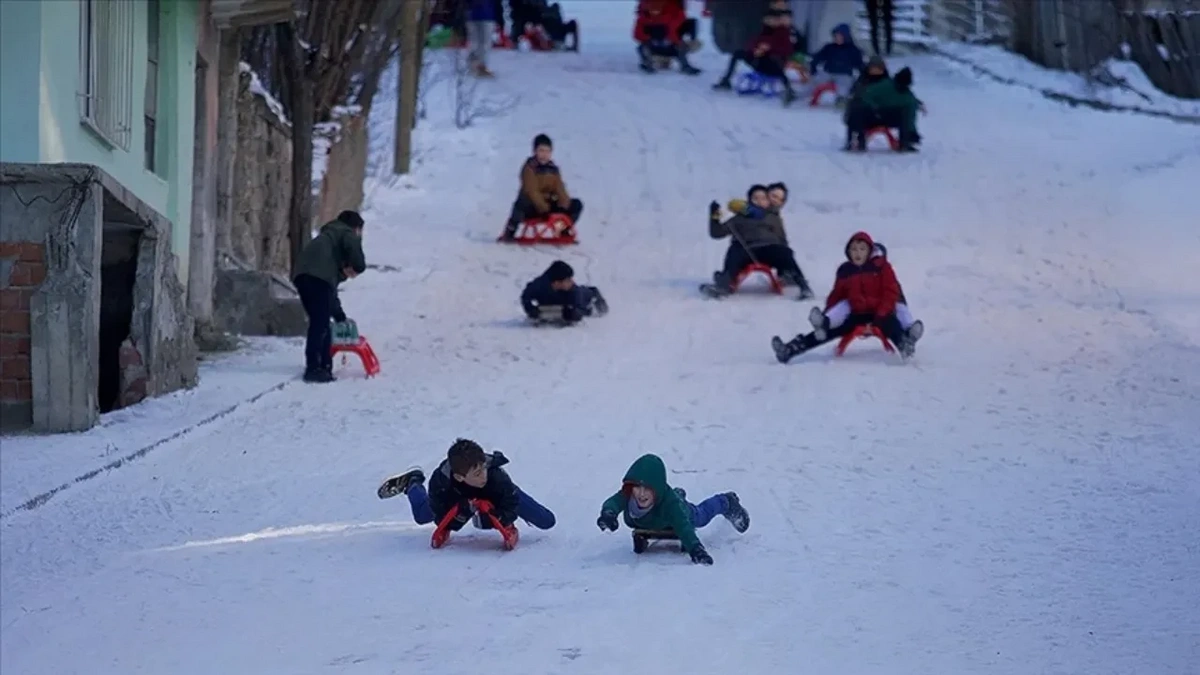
(477, 21)
(646, 499)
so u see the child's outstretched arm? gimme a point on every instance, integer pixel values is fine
(609, 510)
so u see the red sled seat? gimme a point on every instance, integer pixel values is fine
(865, 333)
(441, 534)
(537, 39)
(759, 268)
(886, 132)
(555, 229)
(823, 88)
(365, 354)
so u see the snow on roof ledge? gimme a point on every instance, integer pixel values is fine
(239, 13)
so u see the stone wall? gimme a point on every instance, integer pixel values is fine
(262, 183)
(22, 270)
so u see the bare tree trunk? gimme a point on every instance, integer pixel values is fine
(410, 71)
(303, 111)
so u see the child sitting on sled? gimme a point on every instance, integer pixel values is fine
(758, 236)
(649, 503)
(837, 314)
(556, 287)
(542, 191)
(869, 287)
(467, 473)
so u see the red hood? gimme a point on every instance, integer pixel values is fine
(862, 236)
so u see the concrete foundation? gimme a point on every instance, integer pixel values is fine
(65, 211)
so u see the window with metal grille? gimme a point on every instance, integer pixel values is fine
(151, 103)
(106, 68)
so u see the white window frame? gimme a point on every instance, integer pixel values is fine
(106, 40)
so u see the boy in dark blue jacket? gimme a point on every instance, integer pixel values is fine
(555, 297)
(841, 59)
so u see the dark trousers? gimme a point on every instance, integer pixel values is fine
(777, 256)
(876, 10)
(889, 325)
(860, 118)
(763, 65)
(321, 304)
(523, 208)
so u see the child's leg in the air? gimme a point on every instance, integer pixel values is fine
(590, 300)
(418, 499)
(529, 510)
(786, 351)
(727, 505)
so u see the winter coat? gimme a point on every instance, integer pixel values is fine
(843, 59)
(539, 293)
(667, 16)
(445, 492)
(778, 41)
(543, 185)
(766, 230)
(669, 512)
(880, 251)
(482, 10)
(870, 288)
(887, 98)
(335, 248)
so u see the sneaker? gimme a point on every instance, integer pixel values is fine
(681, 492)
(819, 322)
(400, 483)
(735, 513)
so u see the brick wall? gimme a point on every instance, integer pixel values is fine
(22, 270)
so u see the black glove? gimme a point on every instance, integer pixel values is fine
(340, 317)
(571, 314)
(533, 312)
(700, 556)
(607, 521)
(714, 210)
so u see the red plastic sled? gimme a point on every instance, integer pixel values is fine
(823, 88)
(537, 39)
(776, 287)
(555, 229)
(365, 354)
(442, 533)
(865, 333)
(884, 131)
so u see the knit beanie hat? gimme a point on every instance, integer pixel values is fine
(559, 271)
(351, 218)
(540, 140)
(753, 189)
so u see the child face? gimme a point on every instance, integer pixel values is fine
(543, 153)
(760, 199)
(476, 477)
(838, 39)
(877, 71)
(564, 285)
(859, 251)
(643, 495)
(778, 197)
(785, 20)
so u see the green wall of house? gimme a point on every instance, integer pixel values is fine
(40, 103)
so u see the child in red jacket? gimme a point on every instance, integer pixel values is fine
(659, 31)
(869, 287)
(767, 53)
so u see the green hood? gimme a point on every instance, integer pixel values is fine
(649, 471)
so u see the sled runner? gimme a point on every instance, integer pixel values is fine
(549, 315)
(346, 339)
(713, 291)
(823, 88)
(863, 333)
(893, 142)
(442, 533)
(642, 539)
(555, 229)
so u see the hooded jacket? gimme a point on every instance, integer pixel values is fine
(666, 16)
(777, 40)
(756, 228)
(843, 59)
(870, 288)
(445, 492)
(335, 248)
(669, 512)
(539, 293)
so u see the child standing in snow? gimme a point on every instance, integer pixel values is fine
(649, 503)
(330, 258)
(869, 287)
(467, 473)
(556, 287)
(481, 25)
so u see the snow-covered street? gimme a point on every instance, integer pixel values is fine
(1022, 498)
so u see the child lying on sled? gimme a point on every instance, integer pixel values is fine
(649, 503)
(554, 296)
(467, 473)
(869, 287)
(758, 235)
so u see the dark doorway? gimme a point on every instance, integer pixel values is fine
(118, 273)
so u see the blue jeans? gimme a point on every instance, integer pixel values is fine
(705, 511)
(528, 509)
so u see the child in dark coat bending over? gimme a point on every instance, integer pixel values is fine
(554, 296)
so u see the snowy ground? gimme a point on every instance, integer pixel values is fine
(1021, 499)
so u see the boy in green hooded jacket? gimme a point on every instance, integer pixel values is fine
(649, 503)
(327, 260)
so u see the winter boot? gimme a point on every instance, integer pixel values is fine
(510, 231)
(400, 483)
(789, 95)
(819, 321)
(687, 68)
(645, 59)
(318, 375)
(598, 305)
(723, 283)
(786, 351)
(908, 344)
(735, 513)
(723, 85)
